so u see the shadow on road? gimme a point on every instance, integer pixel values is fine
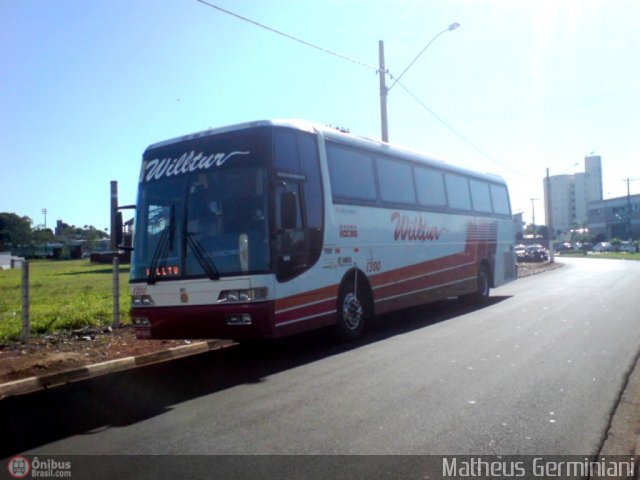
(124, 398)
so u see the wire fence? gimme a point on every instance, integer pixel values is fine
(40, 297)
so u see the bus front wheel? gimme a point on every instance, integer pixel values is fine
(351, 311)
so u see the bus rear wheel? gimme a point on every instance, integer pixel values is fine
(483, 283)
(352, 311)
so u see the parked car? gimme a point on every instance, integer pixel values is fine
(603, 247)
(627, 247)
(521, 250)
(536, 253)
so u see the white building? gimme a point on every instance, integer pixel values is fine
(8, 261)
(569, 195)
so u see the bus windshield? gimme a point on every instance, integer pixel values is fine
(204, 215)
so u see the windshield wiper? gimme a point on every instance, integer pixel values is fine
(203, 259)
(164, 246)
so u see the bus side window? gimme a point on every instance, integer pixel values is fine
(351, 174)
(430, 184)
(395, 182)
(480, 196)
(500, 199)
(458, 191)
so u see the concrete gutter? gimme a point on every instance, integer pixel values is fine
(34, 384)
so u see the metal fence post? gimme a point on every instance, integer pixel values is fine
(116, 291)
(26, 321)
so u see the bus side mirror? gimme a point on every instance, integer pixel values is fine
(289, 210)
(119, 228)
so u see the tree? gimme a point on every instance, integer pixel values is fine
(543, 231)
(41, 236)
(615, 243)
(14, 230)
(91, 235)
(16, 233)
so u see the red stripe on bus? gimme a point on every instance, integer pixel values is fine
(425, 282)
(304, 298)
(328, 305)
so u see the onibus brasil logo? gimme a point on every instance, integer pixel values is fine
(20, 467)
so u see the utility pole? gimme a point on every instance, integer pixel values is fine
(114, 210)
(382, 72)
(115, 259)
(549, 214)
(26, 304)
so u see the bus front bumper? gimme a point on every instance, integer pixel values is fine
(234, 321)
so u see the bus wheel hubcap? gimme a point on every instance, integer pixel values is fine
(351, 311)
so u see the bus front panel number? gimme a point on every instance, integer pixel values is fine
(374, 266)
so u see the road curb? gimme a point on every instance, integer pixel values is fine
(33, 384)
(623, 434)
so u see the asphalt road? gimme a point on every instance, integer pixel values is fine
(537, 371)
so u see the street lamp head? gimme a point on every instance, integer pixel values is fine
(453, 26)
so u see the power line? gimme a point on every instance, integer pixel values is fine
(458, 134)
(371, 67)
(286, 35)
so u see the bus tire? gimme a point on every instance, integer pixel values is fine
(352, 311)
(483, 283)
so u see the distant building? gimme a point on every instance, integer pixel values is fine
(60, 226)
(615, 218)
(518, 220)
(8, 261)
(570, 195)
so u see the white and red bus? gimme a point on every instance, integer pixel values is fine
(271, 228)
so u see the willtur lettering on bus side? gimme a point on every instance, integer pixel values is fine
(189, 162)
(414, 229)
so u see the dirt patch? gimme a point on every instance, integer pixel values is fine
(62, 351)
(526, 269)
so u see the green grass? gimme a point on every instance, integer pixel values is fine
(615, 255)
(610, 255)
(64, 295)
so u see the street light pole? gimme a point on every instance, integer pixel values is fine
(383, 93)
(382, 72)
(549, 216)
(533, 216)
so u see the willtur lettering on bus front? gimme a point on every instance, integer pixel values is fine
(166, 271)
(414, 229)
(189, 162)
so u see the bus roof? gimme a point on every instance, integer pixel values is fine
(331, 133)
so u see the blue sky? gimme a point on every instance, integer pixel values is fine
(87, 85)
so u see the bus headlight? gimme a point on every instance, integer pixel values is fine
(141, 301)
(243, 296)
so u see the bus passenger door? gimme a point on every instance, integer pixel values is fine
(291, 242)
